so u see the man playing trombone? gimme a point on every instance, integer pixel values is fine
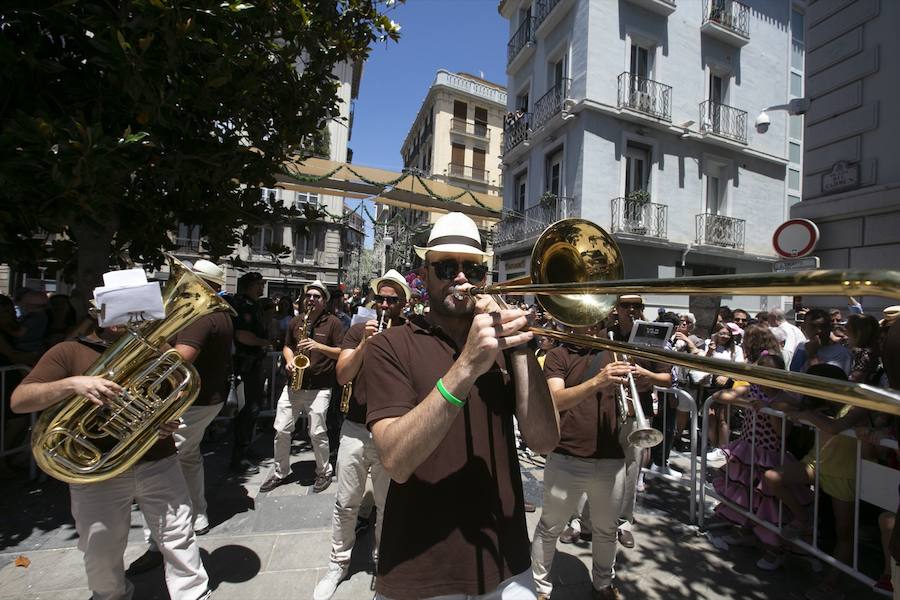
(357, 456)
(588, 459)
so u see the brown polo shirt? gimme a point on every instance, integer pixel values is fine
(212, 336)
(68, 359)
(588, 429)
(326, 329)
(354, 335)
(645, 390)
(457, 526)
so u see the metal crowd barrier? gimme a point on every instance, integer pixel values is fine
(885, 497)
(24, 446)
(684, 399)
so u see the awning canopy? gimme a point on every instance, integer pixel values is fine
(406, 190)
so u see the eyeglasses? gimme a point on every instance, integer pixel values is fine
(392, 300)
(314, 296)
(740, 319)
(629, 305)
(449, 269)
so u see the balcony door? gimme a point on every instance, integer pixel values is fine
(458, 160)
(553, 173)
(715, 192)
(520, 190)
(637, 179)
(478, 161)
(640, 61)
(481, 121)
(718, 88)
(641, 95)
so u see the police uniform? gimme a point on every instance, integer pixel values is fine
(248, 367)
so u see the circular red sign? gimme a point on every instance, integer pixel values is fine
(795, 238)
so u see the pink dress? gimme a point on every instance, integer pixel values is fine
(764, 454)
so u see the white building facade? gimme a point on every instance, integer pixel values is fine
(638, 115)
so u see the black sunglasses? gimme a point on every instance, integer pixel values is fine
(392, 300)
(314, 296)
(449, 269)
(634, 305)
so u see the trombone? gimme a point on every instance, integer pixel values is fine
(577, 274)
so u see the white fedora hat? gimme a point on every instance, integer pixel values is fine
(209, 271)
(391, 276)
(319, 286)
(454, 232)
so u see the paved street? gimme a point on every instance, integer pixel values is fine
(276, 545)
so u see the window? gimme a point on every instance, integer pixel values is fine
(795, 153)
(303, 198)
(715, 191)
(553, 173)
(188, 237)
(717, 88)
(557, 72)
(793, 179)
(262, 239)
(460, 114)
(522, 102)
(481, 122)
(520, 189)
(478, 160)
(269, 196)
(306, 243)
(457, 159)
(796, 84)
(637, 168)
(795, 126)
(640, 61)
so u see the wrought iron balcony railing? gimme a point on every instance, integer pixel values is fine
(516, 226)
(729, 14)
(718, 230)
(466, 172)
(721, 119)
(639, 217)
(544, 8)
(476, 128)
(515, 130)
(550, 104)
(523, 36)
(645, 95)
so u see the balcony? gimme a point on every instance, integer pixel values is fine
(727, 21)
(523, 38)
(518, 227)
(645, 96)
(475, 129)
(723, 120)
(515, 130)
(467, 172)
(720, 231)
(550, 104)
(660, 7)
(549, 14)
(639, 217)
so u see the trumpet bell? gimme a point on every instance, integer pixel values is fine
(576, 250)
(645, 438)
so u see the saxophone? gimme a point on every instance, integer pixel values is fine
(301, 360)
(347, 389)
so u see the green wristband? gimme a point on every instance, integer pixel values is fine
(448, 396)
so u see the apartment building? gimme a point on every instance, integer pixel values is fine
(639, 115)
(324, 249)
(456, 137)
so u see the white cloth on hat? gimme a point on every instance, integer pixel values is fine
(454, 232)
(392, 276)
(127, 295)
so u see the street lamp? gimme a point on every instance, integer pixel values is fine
(797, 106)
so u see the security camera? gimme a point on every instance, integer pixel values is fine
(762, 123)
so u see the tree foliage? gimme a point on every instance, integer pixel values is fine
(119, 119)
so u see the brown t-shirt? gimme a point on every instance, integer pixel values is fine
(212, 336)
(588, 429)
(457, 526)
(328, 330)
(354, 335)
(68, 359)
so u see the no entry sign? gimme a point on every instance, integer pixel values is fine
(795, 238)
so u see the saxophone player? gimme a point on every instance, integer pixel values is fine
(357, 456)
(102, 510)
(318, 337)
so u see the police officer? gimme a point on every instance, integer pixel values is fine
(250, 345)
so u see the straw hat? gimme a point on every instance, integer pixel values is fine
(630, 298)
(392, 276)
(454, 232)
(209, 271)
(319, 286)
(891, 313)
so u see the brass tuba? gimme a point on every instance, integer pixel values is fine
(79, 442)
(301, 360)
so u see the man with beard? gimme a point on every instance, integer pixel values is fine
(357, 456)
(321, 342)
(441, 392)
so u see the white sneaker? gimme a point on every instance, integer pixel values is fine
(328, 584)
(715, 454)
(671, 473)
(640, 483)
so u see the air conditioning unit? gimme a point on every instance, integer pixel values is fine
(643, 102)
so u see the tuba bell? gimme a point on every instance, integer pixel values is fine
(79, 442)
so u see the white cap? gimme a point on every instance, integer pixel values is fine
(454, 232)
(392, 276)
(209, 271)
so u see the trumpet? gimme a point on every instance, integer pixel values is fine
(347, 388)
(300, 361)
(643, 436)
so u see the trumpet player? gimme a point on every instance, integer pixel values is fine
(588, 459)
(357, 456)
(102, 510)
(317, 334)
(646, 374)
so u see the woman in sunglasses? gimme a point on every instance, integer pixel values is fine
(441, 392)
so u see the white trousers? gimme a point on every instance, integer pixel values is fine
(290, 405)
(102, 513)
(633, 465)
(566, 478)
(356, 459)
(520, 587)
(187, 440)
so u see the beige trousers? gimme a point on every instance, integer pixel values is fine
(290, 405)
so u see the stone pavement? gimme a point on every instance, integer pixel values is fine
(276, 545)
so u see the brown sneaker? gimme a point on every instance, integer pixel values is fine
(321, 484)
(607, 593)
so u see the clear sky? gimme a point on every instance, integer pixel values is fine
(457, 35)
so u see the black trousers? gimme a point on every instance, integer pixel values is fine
(250, 372)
